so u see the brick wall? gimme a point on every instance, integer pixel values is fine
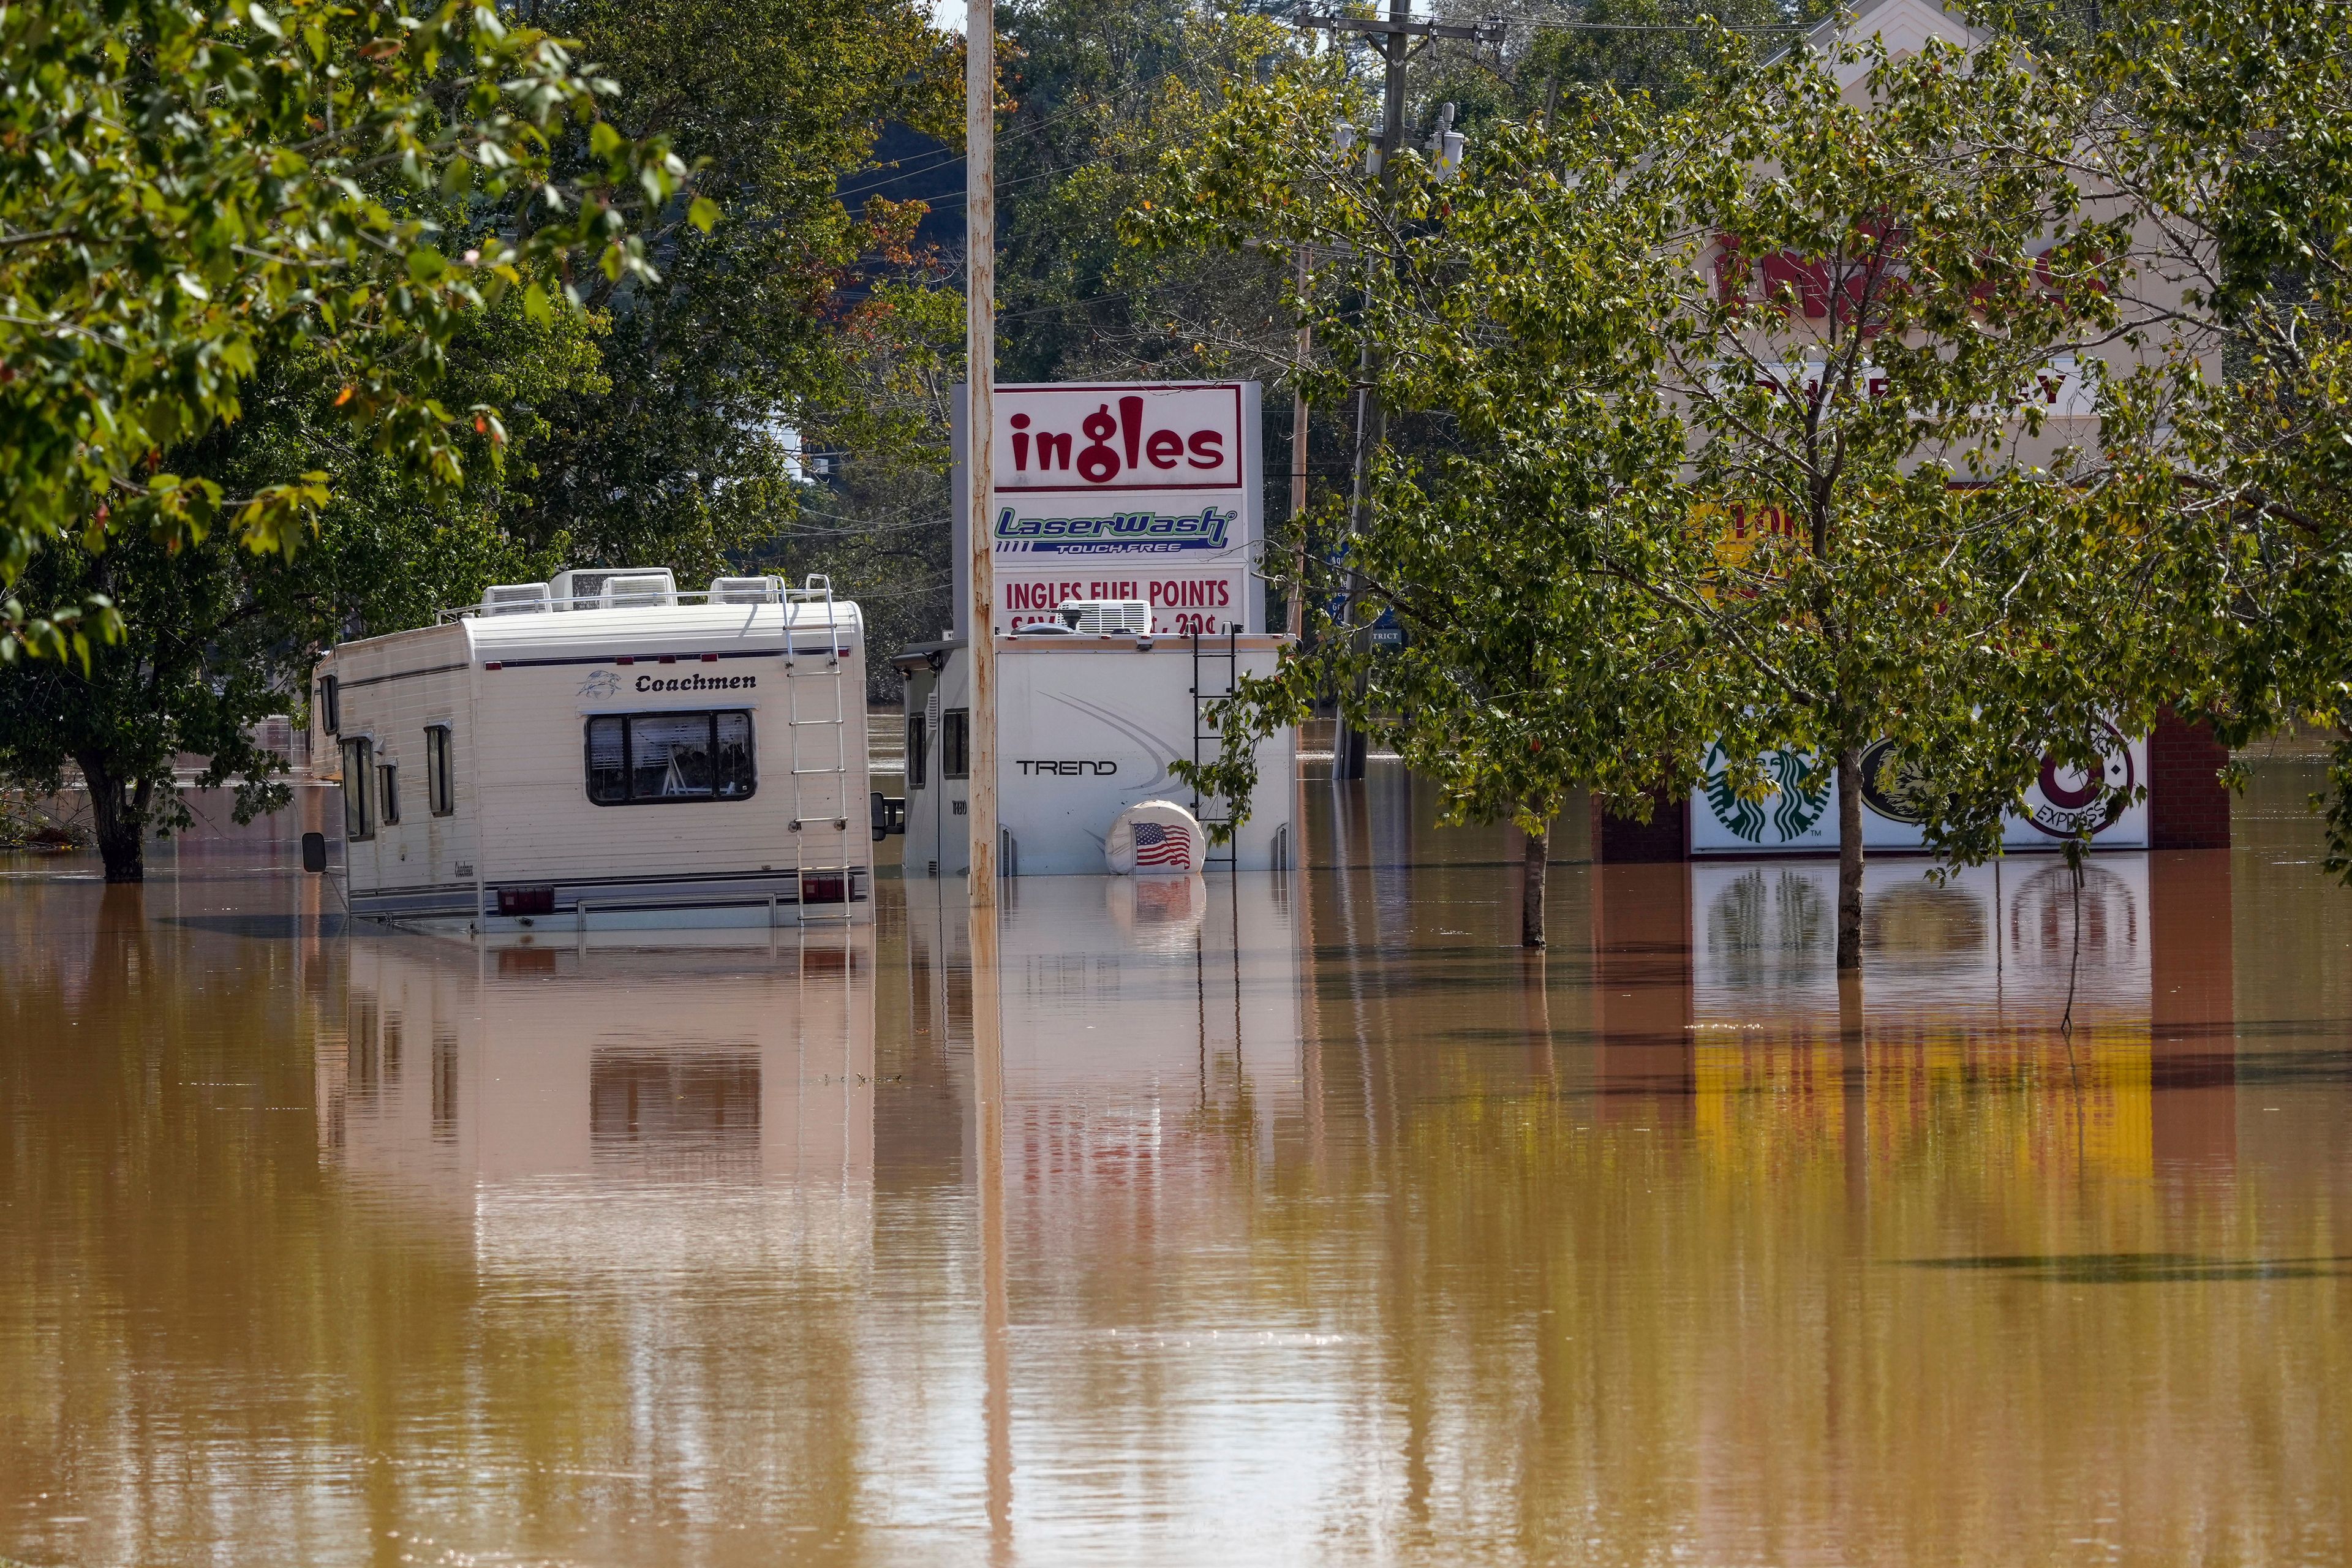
(2187, 807)
(1622, 841)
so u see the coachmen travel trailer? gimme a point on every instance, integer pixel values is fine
(1124, 525)
(602, 751)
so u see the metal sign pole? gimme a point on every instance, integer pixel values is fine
(980, 428)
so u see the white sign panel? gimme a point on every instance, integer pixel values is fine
(1122, 490)
(1800, 817)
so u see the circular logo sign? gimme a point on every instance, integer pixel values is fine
(1892, 783)
(2074, 801)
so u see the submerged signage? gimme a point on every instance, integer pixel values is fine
(1799, 816)
(1144, 491)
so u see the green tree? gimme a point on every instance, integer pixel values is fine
(2228, 129)
(217, 635)
(1788, 301)
(795, 321)
(185, 192)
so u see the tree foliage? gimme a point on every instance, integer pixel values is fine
(217, 635)
(185, 192)
(1800, 299)
(2228, 129)
(798, 321)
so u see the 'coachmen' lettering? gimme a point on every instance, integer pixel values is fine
(696, 682)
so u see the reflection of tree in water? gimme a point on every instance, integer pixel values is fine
(2038, 926)
(1919, 921)
(1765, 923)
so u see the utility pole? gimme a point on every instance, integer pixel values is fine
(980, 429)
(1396, 33)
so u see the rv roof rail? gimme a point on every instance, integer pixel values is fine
(722, 590)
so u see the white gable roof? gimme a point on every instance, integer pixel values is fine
(1904, 25)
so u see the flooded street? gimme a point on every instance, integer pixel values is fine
(1291, 1220)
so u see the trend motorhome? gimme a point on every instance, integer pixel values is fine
(1091, 708)
(602, 751)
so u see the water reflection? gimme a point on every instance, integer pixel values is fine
(1251, 1219)
(664, 1111)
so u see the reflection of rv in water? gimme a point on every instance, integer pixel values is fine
(635, 1109)
(604, 750)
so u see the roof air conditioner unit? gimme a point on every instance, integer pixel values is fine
(515, 599)
(634, 589)
(577, 590)
(747, 590)
(582, 588)
(1107, 617)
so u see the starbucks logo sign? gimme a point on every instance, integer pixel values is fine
(1801, 794)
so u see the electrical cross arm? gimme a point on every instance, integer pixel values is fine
(1489, 31)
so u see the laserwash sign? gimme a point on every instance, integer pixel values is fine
(1123, 491)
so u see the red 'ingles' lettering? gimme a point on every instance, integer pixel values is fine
(1130, 423)
(1120, 441)
(1098, 463)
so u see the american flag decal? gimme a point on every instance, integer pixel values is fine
(1157, 843)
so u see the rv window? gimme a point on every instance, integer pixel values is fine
(359, 772)
(440, 792)
(637, 759)
(608, 763)
(331, 705)
(955, 743)
(917, 734)
(388, 793)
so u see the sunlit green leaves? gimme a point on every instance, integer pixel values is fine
(181, 192)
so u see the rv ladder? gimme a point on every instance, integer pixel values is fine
(1209, 685)
(814, 867)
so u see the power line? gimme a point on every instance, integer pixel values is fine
(928, 162)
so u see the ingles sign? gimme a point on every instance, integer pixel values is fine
(1177, 438)
(1138, 490)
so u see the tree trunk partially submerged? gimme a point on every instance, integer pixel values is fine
(1531, 888)
(119, 820)
(1849, 903)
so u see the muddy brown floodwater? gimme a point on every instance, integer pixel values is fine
(1292, 1221)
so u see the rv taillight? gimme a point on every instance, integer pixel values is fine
(821, 889)
(526, 900)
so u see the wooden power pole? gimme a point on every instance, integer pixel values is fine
(1395, 32)
(980, 428)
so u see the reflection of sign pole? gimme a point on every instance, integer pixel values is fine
(980, 428)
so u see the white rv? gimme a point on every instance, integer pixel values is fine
(602, 751)
(1091, 709)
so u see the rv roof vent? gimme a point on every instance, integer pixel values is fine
(747, 590)
(515, 599)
